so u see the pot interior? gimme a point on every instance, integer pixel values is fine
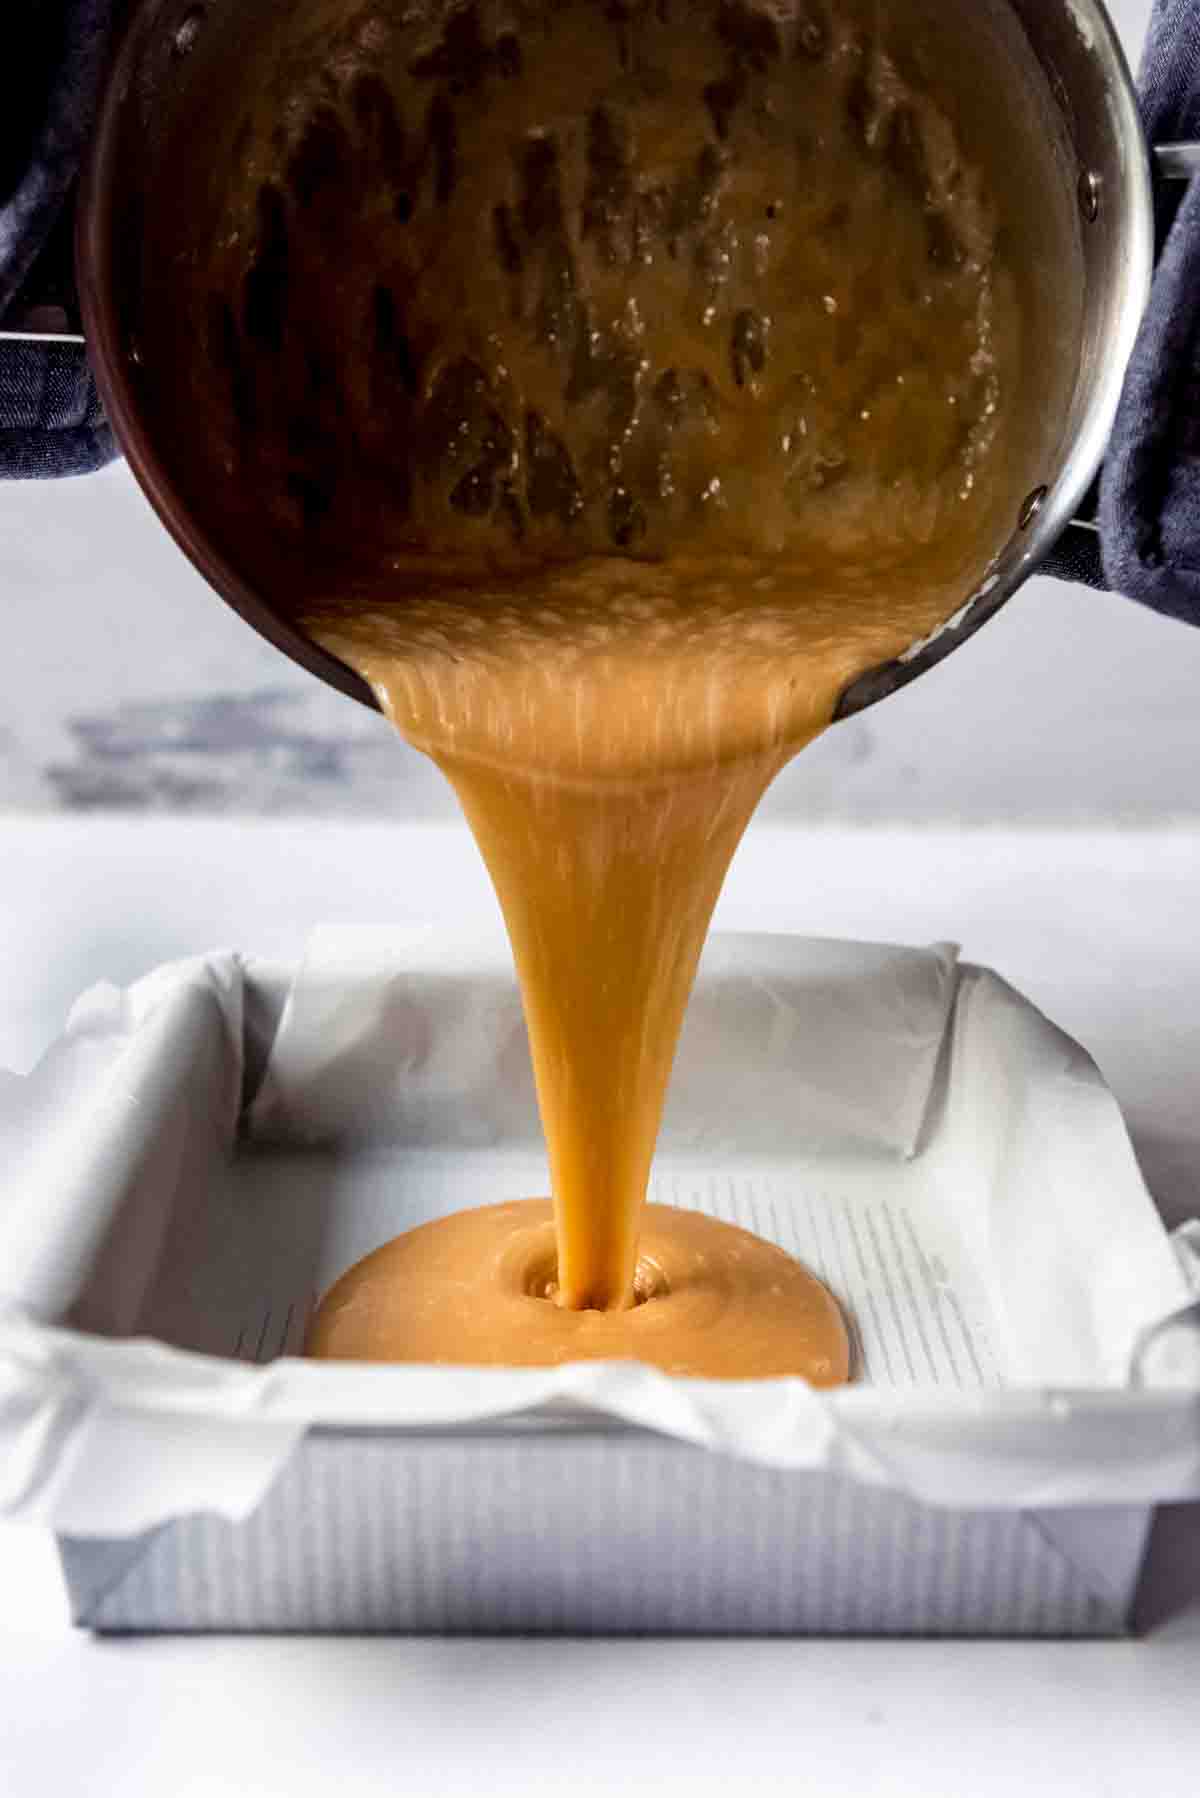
(245, 97)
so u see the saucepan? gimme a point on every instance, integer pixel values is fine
(1104, 178)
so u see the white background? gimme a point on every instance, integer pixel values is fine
(1035, 798)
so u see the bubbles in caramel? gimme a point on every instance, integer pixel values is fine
(611, 385)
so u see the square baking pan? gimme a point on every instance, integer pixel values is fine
(201, 1155)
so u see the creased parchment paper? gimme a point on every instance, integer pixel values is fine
(200, 1156)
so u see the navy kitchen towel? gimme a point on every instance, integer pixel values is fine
(1148, 545)
(51, 420)
(52, 56)
(1150, 492)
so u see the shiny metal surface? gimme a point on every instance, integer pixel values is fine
(1077, 47)
(1177, 162)
(33, 335)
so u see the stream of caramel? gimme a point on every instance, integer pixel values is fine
(611, 386)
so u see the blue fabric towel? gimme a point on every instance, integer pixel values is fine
(51, 423)
(1150, 491)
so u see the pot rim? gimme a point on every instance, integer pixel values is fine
(108, 355)
(1047, 514)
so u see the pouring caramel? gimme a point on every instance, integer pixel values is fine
(614, 386)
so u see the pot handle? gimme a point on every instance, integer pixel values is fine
(1177, 162)
(45, 310)
(35, 327)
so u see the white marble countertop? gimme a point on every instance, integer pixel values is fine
(132, 689)
(1098, 927)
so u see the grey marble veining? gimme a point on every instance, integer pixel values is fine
(264, 752)
(131, 687)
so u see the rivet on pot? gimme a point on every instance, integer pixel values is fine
(1033, 506)
(1089, 196)
(187, 31)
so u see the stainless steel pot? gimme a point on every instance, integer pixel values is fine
(1109, 175)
